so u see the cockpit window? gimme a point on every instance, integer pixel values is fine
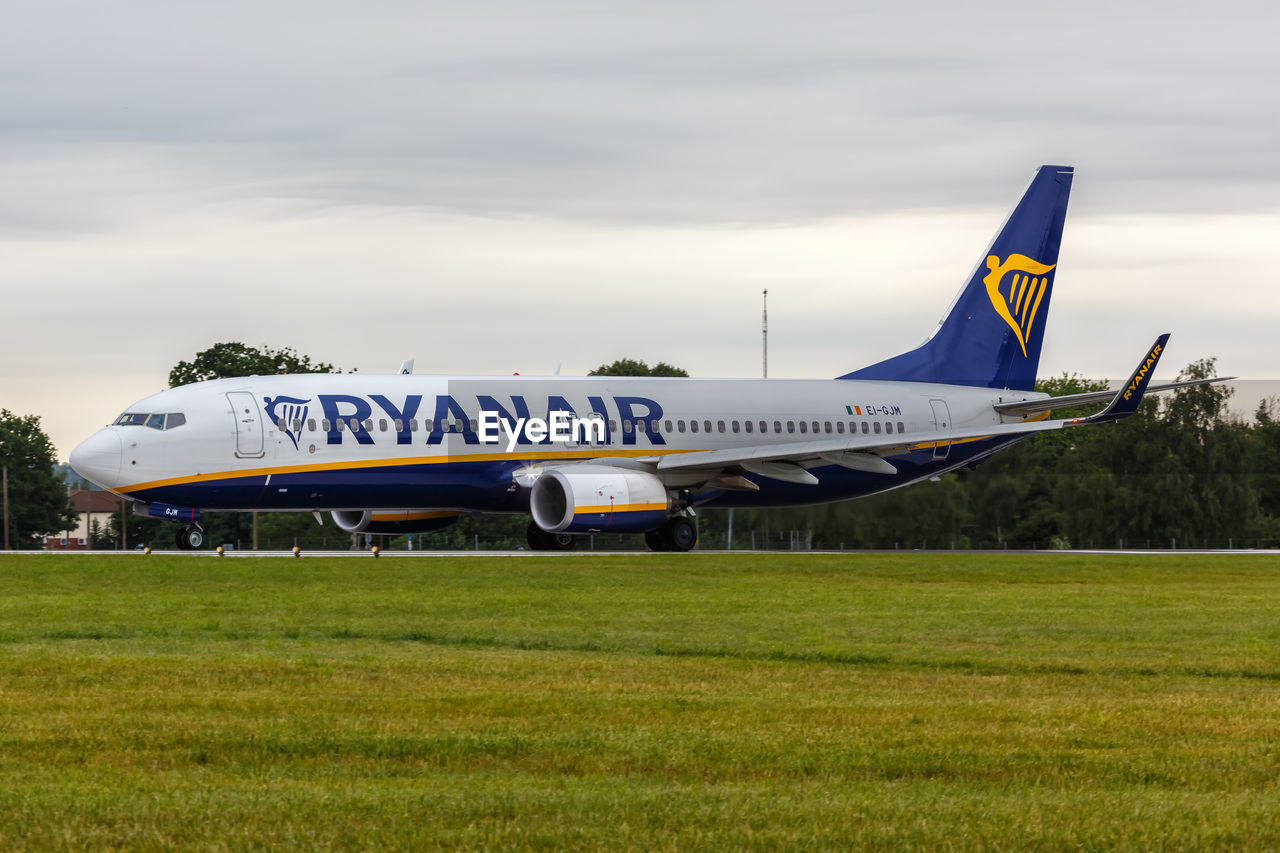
(156, 421)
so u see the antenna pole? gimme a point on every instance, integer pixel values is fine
(6, 507)
(764, 332)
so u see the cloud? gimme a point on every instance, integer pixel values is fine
(506, 186)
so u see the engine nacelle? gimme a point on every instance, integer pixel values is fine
(595, 498)
(394, 522)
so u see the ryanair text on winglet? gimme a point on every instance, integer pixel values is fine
(1141, 375)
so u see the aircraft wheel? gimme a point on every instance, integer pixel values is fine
(655, 540)
(189, 538)
(562, 541)
(680, 534)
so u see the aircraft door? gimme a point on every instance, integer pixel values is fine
(942, 422)
(249, 441)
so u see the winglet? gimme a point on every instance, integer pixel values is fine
(1129, 397)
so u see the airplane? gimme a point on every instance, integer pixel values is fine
(410, 453)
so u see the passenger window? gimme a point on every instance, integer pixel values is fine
(368, 425)
(398, 424)
(324, 424)
(764, 426)
(815, 428)
(640, 426)
(341, 424)
(413, 425)
(156, 421)
(311, 425)
(865, 428)
(382, 424)
(791, 426)
(280, 425)
(735, 426)
(877, 427)
(747, 424)
(804, 427)
(719, 426)
(626, 426)
(901, 428)
(680, 425)
(297, 425)
(176, 419)
(777, 426)
(693, 426)
(613, 425)
(888, 427)
(840, 427)
(668, 426)
(706, 426)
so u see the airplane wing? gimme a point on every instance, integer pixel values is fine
(785, 461)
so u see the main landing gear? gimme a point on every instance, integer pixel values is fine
(541, 540)
(677, 533)
(190, 538)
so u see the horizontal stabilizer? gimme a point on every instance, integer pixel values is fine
(1046, 404)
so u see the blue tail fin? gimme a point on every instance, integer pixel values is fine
(991, 337)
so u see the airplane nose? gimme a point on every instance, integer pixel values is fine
(97, 458)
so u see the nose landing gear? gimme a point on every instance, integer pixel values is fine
(190, 538)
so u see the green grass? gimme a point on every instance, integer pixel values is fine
(670, 702)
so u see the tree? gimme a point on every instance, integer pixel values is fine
(38, 501)
(1014, 495)
(632, 367)
(236, 359)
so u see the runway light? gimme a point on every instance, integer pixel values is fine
(297, 552)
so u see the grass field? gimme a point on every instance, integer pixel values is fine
(646, 702)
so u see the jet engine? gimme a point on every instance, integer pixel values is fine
(394, 522)
(593, 498)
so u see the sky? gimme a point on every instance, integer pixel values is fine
(494, 187)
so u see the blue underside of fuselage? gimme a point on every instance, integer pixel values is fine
(488, 487)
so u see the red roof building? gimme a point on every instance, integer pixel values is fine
(94, 507)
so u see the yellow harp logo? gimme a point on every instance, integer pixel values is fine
(1027, 287)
